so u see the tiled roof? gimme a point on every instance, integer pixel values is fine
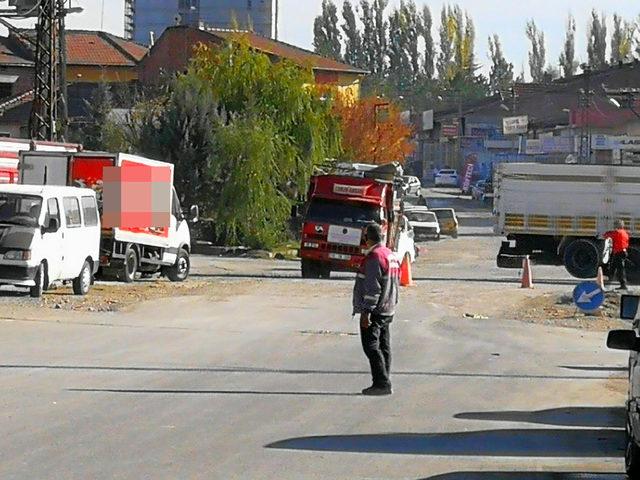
(8, 55)
(284, 50)
(88, 47)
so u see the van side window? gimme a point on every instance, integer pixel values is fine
(52, 211)
(89, 211)
(176, 209)
(71, 211)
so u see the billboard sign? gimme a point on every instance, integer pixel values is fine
(515, 125)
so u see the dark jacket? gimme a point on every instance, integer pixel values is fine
(377, 284)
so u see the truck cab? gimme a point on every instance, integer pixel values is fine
(338, 210)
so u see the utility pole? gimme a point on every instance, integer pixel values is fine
(49, 116)
(586, 96)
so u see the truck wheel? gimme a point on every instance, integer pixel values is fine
(310, 269)
(582, 258)
(128, 270)
(180, 270)
(631, 455)
(82, 283)
(40, 279)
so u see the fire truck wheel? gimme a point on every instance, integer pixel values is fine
(310, 269)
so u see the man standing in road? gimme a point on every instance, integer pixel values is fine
(620, 240)
(375, 296)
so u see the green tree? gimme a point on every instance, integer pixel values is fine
(245, 134)
(501, 75)
(93, 134)
(567, 59)
(180, 126)
(537, 54)
(427, 37)
(353, 53)
(621, 40)
(597, 40)
(444, 64)
(381, 27)
(326, 32)
(368, 37)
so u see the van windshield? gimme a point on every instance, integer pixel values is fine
(329, 211)
(18, 209)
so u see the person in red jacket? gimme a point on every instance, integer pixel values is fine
(620, 239)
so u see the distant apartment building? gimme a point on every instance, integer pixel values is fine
(145, 19)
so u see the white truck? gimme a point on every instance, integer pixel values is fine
(144, 228)
(558, 214)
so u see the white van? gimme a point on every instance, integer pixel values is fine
(48, 234)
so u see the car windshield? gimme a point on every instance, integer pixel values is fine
(421, 217)
(20, 209)
(328, 211)
(444, 214)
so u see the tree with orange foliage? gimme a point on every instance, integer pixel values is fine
(373, 131)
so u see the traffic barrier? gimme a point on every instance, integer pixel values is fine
(406, 277)
(527, 276)
(600, 278)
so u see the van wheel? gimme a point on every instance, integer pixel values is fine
(82, 283)
(631, 455)
(128, 270)
(180, 270)
(40, 279)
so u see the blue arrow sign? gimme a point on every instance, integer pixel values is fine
(588, 296)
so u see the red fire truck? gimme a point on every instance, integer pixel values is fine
(339, 207)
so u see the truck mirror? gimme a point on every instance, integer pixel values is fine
(629, 307)
(194, 213)
(622, 340)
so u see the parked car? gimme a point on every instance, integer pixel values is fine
(424, 223)
(48, 234)
(630, 340)
(446, 178)
(412, 185)
(448, 221)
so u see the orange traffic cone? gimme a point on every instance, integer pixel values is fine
(406, 277)
(600, 278)
(527, 277)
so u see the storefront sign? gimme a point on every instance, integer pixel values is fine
(515, 125)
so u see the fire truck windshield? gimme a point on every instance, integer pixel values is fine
(330, 211)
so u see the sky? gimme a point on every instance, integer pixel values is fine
(507, 18)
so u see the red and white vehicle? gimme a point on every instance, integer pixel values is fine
(144, 228)
(10, 149)
(338, 210)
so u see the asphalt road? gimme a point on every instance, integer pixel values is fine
(264, 384)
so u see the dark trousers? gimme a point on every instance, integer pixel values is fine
(619, 268)
(376, 343)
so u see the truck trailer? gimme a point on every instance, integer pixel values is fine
(338, 209)
(144, 228)
(557, 214)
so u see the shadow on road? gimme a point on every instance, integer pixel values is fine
(527, 476)
(578, 443)
(291, 371)
(568, 416)
(212, 392)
